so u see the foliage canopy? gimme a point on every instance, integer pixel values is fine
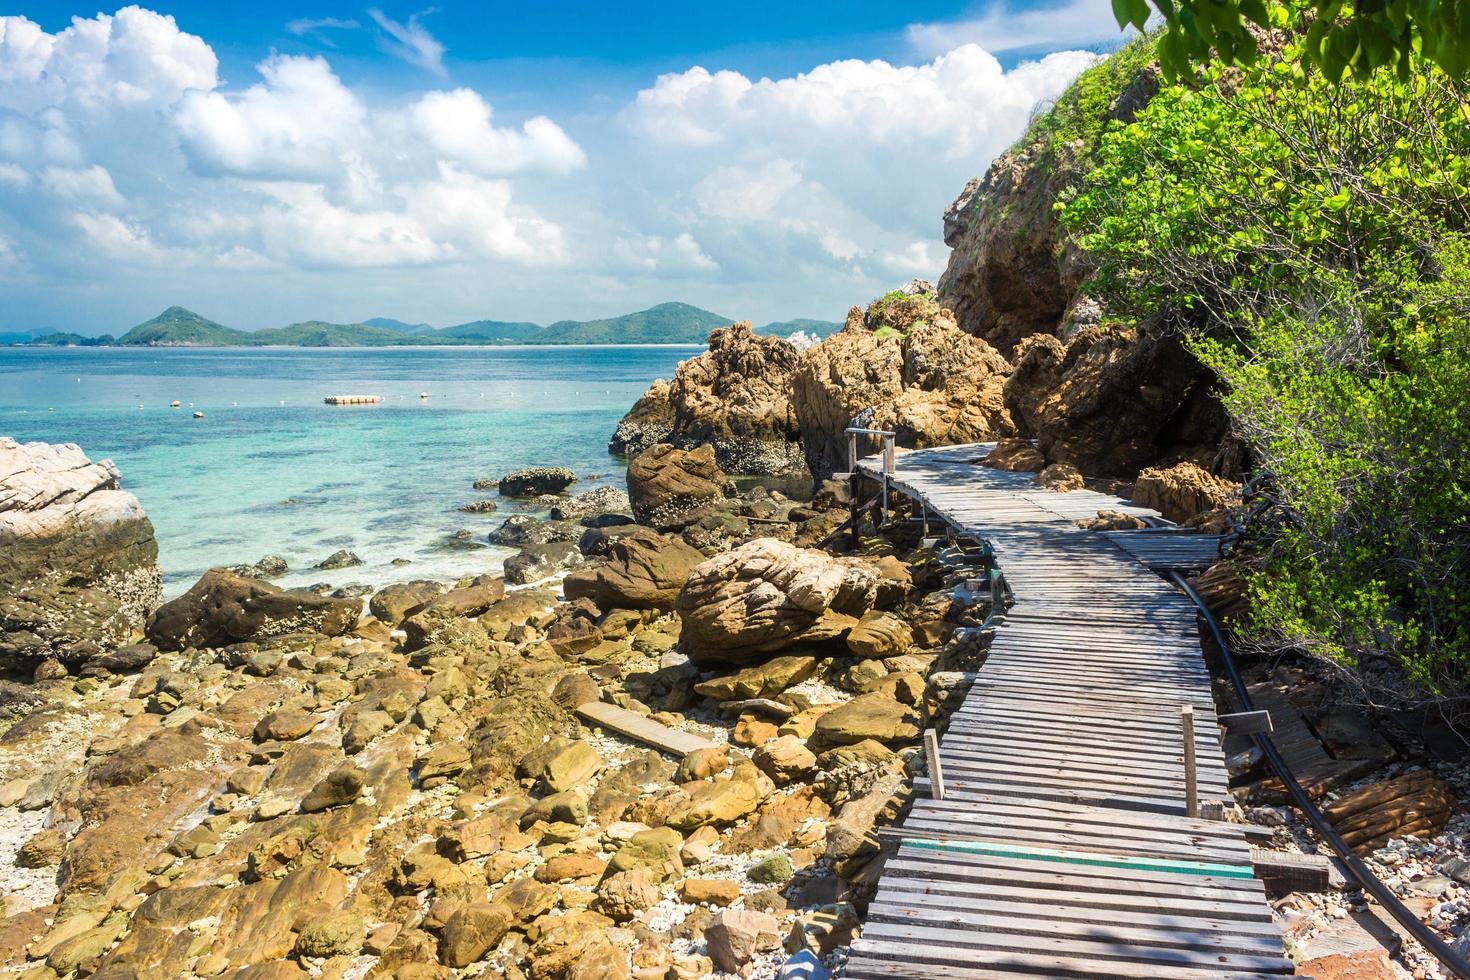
(1310, 237)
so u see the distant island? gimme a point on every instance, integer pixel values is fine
(666, 323)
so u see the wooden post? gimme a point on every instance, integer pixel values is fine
(1191, 778)
(888, 455)
(852, 453)
(931, 754)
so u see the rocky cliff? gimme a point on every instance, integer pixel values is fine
(907, 361)
(1106, 397)
(734, 397)
(78, 560)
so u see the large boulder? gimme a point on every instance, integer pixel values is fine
(671, 488)
(736, 397)
(78, 560)
(224, 608)
(767, 595)
(644, 570)
(1184, 491)
(1112, 402)
(929, 382)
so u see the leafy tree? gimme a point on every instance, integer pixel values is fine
(1356, 38)
(1312, 240)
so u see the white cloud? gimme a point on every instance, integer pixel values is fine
(134, 58)
(84, 185)
(456, 126)
(295, 124)
(665, 256)
(846, 167)
(412, 42)
(14, 176)
(307, 25)
(1000, 27)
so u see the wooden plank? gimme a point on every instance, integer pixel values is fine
(644, 729)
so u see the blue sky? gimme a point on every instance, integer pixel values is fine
(273, 162)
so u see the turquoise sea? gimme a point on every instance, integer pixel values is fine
(270, 469)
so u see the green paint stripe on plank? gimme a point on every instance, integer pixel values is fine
(1201, 868)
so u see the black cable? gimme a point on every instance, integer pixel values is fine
(1457, 963)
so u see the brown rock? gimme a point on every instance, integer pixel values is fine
(1365, 964)
(472, 932)
(224, 608)
(868, 716)
(1015, 456)
(422, 621)
(626, 894)
(644, 570)
(721, 802)
(285, 725)
(656, 850)
(709, 891)
(1060, 477)
(785, 759)
(878, 635)
(735, 937)
(1114, 401)
(338, 788)
(767, 595)
(670, 488)
(571, 767)
(566, 867)
(932, 384)
(1184, 491)
(760, 681)
(734, 397)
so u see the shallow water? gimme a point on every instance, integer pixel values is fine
(270, 469)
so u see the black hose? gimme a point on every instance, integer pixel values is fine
(1457, 963)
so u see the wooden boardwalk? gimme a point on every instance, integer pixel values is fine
(1062, 847)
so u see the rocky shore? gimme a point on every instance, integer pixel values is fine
(256, 782)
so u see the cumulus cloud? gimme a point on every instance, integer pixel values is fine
(294, 125)
(411, 41)
(456, 126)
(296, 169)
(132, 58)
(847, 166)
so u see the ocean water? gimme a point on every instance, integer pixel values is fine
(270, 469)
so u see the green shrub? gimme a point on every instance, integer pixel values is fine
(1310, 239)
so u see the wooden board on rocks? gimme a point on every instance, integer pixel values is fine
(643, 728)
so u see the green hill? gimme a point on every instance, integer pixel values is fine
(318, 333)
(388, 323)
(69, 340)
(178, 327)
(667, 323)
(491, 332)
(785, 328)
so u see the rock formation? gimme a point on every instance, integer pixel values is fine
(1184, 491)
(78, 560)
(767, 595)
(669, 487)
(1113, 401)
(930, 382)
(224, 608)
(1011, 272)
(649, 422)
(735, 397)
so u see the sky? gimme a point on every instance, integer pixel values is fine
(273, 162)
